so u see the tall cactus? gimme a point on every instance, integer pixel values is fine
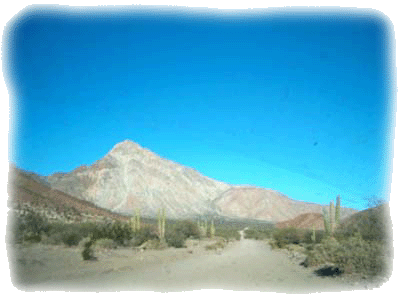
(337, 213)
(202, 227)
(135, 221)
(138, 222)
(313, 236)
(161, 223)
(132, 223)
(332, 218)
(212, 230)
(327, 224)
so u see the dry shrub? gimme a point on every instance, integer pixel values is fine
(105, 243)
(286, 236)
(353, 255)
(220, 244)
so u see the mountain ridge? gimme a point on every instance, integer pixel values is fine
(130, 176)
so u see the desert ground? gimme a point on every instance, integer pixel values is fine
(245, 265)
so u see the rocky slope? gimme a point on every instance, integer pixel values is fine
(304, 221)
(28, 191)
(264, 204)
(130, 176)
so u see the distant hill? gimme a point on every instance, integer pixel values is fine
(373, 223)
(27, 190)
(304, 221)
(265, 204)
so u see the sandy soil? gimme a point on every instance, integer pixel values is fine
(242, 266)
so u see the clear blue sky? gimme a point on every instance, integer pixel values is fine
(295, 102)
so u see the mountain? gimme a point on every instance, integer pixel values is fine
(130, 176)
(28, 191)
(264, 204)
(304, 221)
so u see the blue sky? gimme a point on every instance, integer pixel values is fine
(296, 102)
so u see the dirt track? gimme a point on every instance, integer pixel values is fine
(242, 266)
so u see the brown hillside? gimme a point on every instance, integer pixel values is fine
(265, 204)
(25, 190)
(373, 223)
(304, 221)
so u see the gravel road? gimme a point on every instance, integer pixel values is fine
(245, 265)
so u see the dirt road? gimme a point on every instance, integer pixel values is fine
(242, 266)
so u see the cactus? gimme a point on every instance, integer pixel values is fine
(212, 230)
(203, 228)
(133, 224)
(337, 213)
(161, 223)
(332, 218)
(135, 221)
(327, 224)
(313, 237)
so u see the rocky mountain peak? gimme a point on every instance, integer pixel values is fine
(125, 147)
(131, 177)
(128, 150)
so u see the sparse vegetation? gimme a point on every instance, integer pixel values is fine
(352, 256)
(146, 233)
(260, 232)
(220, 244)
(105, 243)
(180, 231)
(175, 239)
(29, 227)
(228, 230)
(357, 246)
(284, 237)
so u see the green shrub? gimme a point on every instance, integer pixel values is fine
(323, 252)
(187, 229)
(144, 234)
(102, 230)
(353, 255)
(217, 245)
(68, 234)
(88, 253)
(307, 237)
(176, 235)
(227, 231)
(105, 243)
(175, 239)
(286, 236)
(121, 232)
(84, 241)
(29, 226)
(71, 238)
(156, 244)
(258, 234)
(356, 255)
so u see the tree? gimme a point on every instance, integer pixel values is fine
(374, 201)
